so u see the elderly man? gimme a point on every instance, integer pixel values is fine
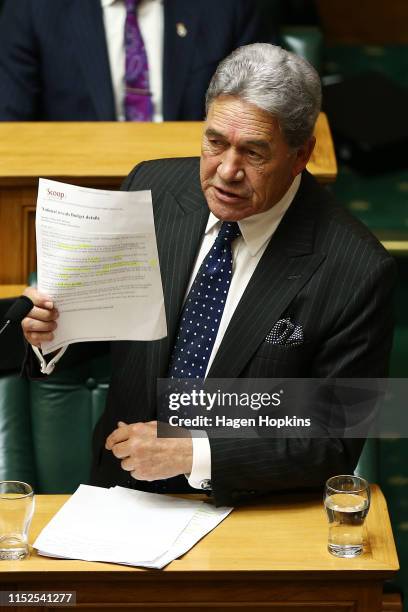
(305, 289)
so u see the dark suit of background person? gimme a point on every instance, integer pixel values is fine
(323, 269)
(54, 62)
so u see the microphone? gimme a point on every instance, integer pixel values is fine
(17, 311)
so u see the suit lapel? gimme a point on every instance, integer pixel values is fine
(179, 230)
(86, 20)
(178, 255)
(285, 267)
(178, 52)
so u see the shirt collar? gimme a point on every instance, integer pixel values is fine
(258, 229)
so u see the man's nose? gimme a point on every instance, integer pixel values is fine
(230, 167)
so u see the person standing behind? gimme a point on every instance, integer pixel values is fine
(107, 60)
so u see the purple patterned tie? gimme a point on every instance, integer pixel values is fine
(138, 102)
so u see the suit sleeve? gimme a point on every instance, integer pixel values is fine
(76, 354)
(20, 81)
(358, 347)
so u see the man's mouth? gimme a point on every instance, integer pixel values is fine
(228, 196)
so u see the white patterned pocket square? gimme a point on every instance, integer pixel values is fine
(285, 332)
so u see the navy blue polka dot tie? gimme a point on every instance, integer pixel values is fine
(203, 309)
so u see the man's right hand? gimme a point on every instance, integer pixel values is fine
(40, 323)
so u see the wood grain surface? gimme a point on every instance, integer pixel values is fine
(105, 152)
(286, 535)
(10, 291)
(95, 155)
(271, 556)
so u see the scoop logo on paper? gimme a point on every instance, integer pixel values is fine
(55, 194)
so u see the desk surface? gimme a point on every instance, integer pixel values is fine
(286, 535)
(106, 152)
(10, 291)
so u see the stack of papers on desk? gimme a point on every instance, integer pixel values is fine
(121, 525)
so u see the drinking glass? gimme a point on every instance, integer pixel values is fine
(16, 512)
(347, 502)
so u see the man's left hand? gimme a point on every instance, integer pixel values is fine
(148, 457)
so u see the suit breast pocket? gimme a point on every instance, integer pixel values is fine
(280, 361)
(268, 350)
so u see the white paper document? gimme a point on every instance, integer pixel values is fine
(97, 259)
(124, 526)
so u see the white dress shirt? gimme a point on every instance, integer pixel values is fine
(247, 251)
(150, 17)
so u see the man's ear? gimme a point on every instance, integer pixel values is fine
(303, 154)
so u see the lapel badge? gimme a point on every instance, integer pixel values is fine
(181, 29)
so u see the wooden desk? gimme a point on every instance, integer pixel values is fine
(269, 557)
(95, 155)
(10, 291)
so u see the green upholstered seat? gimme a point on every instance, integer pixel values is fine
(16, 445)
(306, 41)
(46, 426)
(64, 411)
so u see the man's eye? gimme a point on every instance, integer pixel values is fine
(215, 142)
(254, 155)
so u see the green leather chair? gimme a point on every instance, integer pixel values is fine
(306, 41)
(16, 446)
(46, 426)
(64, 412)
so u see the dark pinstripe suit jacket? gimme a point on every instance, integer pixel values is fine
(54, 62)
(322, 268)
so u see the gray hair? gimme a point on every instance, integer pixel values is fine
(275, 80)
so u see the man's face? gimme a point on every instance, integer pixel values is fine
(246, 165)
